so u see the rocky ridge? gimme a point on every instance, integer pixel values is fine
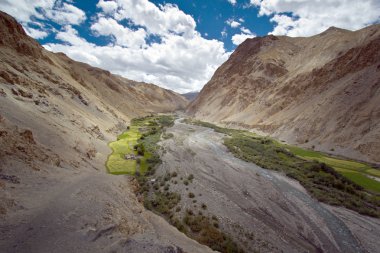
(319, 92)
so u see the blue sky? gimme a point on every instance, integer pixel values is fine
(210, 16)
(176, 44)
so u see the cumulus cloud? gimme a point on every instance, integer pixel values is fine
(309, 17)
(181, 60)
(35, 33)
(233, 23)
(108, 7)
(157, 19)
(23, 10)
(122, 35)
(64, 13)
(146, 42)
(57, 11)
(237, 39)
(176, 63)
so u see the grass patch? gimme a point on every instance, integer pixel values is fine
(116, 162)
(140, 140)
(358, 172)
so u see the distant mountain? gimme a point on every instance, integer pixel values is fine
(322, 91)
(190, 95)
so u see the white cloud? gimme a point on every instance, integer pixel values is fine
(57, 11)
(310, 17)
(178, 63)
(23, 10)
(237, 39)
(123, 35)
(65, 14)
(233, 2)
(245, 30)
(158, 20)
(107, 6)
(233, 23)
(70, 35)
(35, 33)
(178, 58)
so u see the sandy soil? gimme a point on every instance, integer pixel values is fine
(261, 209)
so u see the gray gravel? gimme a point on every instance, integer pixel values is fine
(261, 209)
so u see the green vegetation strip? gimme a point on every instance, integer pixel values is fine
(135, 150)
(328, 179)
(358, 172)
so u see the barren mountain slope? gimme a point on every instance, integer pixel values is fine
(321, 91)
(190, 95)
(56, 118)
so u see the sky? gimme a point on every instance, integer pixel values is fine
(176, 44)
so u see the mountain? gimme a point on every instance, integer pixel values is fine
(190, 95)
(57, 117)
(319, 92)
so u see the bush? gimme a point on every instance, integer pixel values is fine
(191, 195)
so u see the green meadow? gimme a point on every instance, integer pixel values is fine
(140, 140)
(116, 163)
(358, 172)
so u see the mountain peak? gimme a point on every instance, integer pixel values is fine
(334, 29)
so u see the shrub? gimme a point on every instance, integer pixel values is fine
(191, 195)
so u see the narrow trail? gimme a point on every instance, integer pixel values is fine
(274, 208)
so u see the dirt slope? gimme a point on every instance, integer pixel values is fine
(321, 91)
(191, 95)
(56, 118)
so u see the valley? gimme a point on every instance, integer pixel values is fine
(200, 186)
(279, 152)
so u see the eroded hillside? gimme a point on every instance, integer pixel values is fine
(322, 92)
(56, 118)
